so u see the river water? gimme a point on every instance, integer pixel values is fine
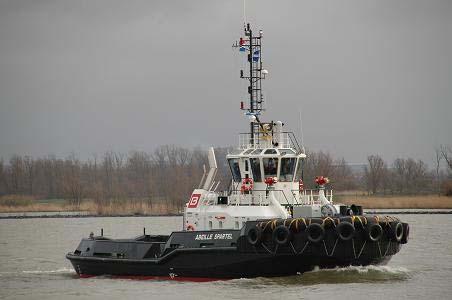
(33, 266)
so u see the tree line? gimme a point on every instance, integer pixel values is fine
(408, 176)
(169, 174)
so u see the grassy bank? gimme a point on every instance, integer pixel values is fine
(17, 204)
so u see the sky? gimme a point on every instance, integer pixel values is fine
(84, 77)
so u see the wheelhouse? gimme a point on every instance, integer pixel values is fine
(283, 163)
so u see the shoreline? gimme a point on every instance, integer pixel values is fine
(419, 204)
(80, 216)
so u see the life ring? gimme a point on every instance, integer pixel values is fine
(254, 235)
(281, 235)
(300, 186)
(374, 232)
(345, 231)
(190, 228)
(315, 232)
(247, 185)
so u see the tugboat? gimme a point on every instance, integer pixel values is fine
(266, 223)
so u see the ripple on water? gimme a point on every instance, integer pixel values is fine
(57, 271)
(352, 274)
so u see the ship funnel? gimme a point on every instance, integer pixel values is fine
(212, 169)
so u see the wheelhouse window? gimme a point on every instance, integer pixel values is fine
(256, 152)
(256, 168)
(270, 151)
(270, 166)
(286, 151)
(299, 173)
(287, 169)
(235, 169)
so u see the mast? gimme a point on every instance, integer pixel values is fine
(252, 46)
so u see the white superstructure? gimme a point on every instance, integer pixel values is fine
(266, 168)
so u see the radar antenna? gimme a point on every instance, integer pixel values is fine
(251, 45)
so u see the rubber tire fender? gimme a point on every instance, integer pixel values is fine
(397, 231)
(254, 235)
(374, 232)
(406, 233)
(315, 232)
(345, 231)
(281, 235)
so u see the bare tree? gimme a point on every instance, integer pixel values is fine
(29, 166)
(374, 172)
(438, 158)
(72, 181)
(342, 176)
(446, 152)
(399, 175)
(3, 184)
(416, 175)
(317, 163)
(17, 174)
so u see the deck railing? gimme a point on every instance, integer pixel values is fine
(276, 140)
(310, 197)
(260, 197)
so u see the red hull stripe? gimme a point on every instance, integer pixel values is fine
(176, 278)
(86, 275)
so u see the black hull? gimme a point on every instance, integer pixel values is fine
(185, 255)
(213, 265)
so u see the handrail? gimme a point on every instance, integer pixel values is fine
(259, 140)
(294, 141)
(261, 190)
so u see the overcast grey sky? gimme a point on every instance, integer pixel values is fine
(91, 76)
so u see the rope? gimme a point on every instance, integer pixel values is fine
(360, 221)
(304, 248)
(328, 219)
(386, 220)
(387, 248)
(265, 247)
(379, 249)
(293, 248)
(273, 226)
(334, 248)
(291, 222)
(304, 222)
(266, 224)
(362, 248)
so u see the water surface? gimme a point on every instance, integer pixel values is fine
(33, 266)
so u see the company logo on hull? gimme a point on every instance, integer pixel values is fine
(194, 200)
